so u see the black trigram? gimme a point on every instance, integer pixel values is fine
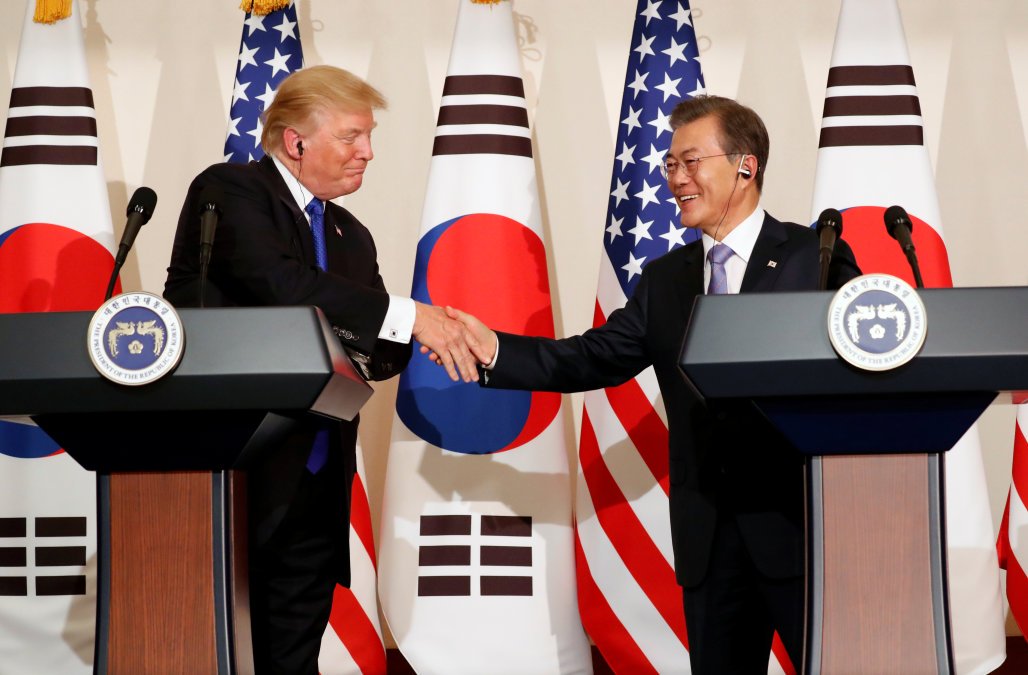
(468, 548)
(50, 125)
(15, 556)
(870, 93)
(483, 114)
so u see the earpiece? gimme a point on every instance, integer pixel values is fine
(299, 148)
(743, 171)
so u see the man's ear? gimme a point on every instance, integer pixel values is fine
(292, 143)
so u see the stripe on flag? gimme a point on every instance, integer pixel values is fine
(353, 640)
(50, 125)
(1013, 542)
(875, 157)
(477, 556)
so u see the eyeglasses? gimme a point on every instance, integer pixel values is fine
(690, 165)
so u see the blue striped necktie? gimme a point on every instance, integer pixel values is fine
(316, 210)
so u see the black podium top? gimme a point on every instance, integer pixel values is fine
(246, 375)
(776, 344)
(774, 349)
(280, 358)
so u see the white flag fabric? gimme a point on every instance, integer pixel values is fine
(56, 241)
(872, 155)
(477, 556)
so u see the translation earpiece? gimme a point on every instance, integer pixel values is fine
(743, 171)
(299, 148)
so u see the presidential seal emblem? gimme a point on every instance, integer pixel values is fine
(877, 322)
(135, 338)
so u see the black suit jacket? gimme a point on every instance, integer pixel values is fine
(725, 458)
(263, 255)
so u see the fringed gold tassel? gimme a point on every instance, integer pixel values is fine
(51, 11)
(262, 7)
(486, 2)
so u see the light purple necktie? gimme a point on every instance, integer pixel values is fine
(718, 256)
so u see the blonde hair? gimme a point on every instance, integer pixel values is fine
(310, 91)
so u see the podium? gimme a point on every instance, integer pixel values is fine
(172, 574)
(876, 540)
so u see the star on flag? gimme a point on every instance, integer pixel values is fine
(268, 52)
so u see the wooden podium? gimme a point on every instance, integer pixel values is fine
(876, 556)
(172, 574)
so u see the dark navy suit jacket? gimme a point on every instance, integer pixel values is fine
(724, 457)
(263, 255)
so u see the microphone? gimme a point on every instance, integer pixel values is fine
(210, 199)
(829, 228)
(210, 210)
(898, 224)
(139, 211)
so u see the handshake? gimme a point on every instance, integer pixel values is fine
(453, 339)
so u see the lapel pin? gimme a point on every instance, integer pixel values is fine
(772, 263)
(338, 231)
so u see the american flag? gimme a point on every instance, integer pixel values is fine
(1012, 544)
(630, 603)
(269, 51)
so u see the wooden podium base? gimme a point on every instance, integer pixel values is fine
(172, 594)
(876, 577)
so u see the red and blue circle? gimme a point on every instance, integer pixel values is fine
(47, 268)
(864, 230)
(494, 268)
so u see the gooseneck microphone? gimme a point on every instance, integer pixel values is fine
(139, 211)
(898, 224)
(829, 229)
(210, 200)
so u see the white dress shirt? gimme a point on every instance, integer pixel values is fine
(399, 319)
(741, 240)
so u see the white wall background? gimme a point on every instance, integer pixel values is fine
(162, 77)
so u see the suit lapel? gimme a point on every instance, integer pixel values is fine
(335, 244)
(764, 265)
(691, 278)
(299, 227)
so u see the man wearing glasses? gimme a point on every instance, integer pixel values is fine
(736, 497)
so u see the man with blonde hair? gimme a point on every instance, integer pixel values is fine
(280, 241)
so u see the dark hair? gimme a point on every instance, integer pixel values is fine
(742, 131)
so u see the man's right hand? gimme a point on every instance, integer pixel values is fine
(448, 340)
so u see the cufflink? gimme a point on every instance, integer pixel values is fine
(393, 333)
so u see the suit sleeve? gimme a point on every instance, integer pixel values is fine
(257, 260)
(604, 356)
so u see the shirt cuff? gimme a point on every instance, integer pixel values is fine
(496, 354)
(399, 320)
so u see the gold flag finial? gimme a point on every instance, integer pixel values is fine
(51, 11)
(262, 7)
